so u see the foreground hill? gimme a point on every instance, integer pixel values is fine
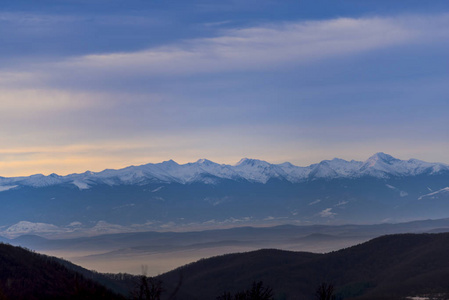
(31, 276)
(389, 267)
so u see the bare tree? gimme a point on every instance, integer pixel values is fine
(257, 292)
(260, 292)
(325, 291)
(225, 296)
(150, 288)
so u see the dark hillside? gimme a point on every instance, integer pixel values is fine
(389, 267)
(395, 265)
(31, 276)
(234, 272)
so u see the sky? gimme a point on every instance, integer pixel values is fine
(96, 84)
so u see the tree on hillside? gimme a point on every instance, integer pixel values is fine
(149, 289)
(2, 295)
(325, 291)
(260, 292)
(257, 292)
(225, 296)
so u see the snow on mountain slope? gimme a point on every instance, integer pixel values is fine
(380, 165)
(81, 184)
(259, 171)
(294, 173)
(37, 180)
(344, 168)
(46, 229)
(25, 227)
(384, 165)
(7, 187)
(442, 192)
(197, 171)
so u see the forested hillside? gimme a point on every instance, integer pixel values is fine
(389, 267)
(31, 276)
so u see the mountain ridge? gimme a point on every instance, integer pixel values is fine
(400, 266)
(379, 165)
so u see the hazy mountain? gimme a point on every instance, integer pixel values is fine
(205, 194)
(264, 236)
(164, 251)
(388, 267)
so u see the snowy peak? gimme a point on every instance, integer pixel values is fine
(170, 162)
(323, 170)
(384, 165)
(381, 157)
(251, 162)
(205, 162)
(380, 165)
(380, 161)
(259, 171)
(335, 168)
(40, 180)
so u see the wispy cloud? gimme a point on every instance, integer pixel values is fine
(265, 47)
(327, 213)
(270, 46)
(194, 98)
(15, 101)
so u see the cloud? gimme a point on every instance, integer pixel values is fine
(269, 46)
(17, 78)
(327, 213)
(340, 203)
(15, 101)
(194, 99)
(315, 202)
(260, 48)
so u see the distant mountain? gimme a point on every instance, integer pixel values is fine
(130, 250)
(31, 276)
(388, 267)
(205, 194)
(380, 165)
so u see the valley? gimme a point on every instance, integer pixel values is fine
(161, 252)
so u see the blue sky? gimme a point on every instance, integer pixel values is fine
(106, 84)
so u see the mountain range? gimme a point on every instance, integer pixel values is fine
(380, 165)
(204, 194)
(164, 251)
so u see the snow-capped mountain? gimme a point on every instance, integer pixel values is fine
(169, 195)
(380, 165)
(384, 165)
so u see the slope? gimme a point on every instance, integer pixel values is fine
(32, 276)
(389, 267)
